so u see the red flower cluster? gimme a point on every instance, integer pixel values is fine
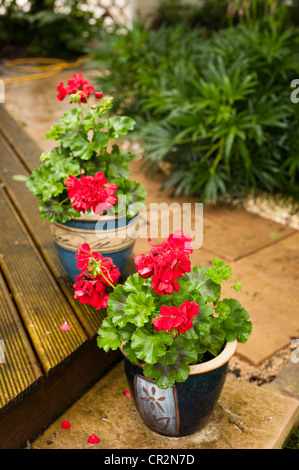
(75, 84)
(91, 192)
(90, 289)
(166, 262)
(177, 318)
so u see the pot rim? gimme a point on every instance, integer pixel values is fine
(218, 361)
(93, 217)
(96, 218)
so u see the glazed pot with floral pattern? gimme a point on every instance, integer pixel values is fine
(112, 236)
(183, 408)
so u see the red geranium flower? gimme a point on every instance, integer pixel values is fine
(110, 272)
(91, 192)
(75, 84)
(176, 318)
(106, 265)
(91, 289)
(98, 95)
(62, 91)
(166, 262)
(83, 256)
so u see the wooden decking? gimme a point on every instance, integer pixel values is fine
(45, 369)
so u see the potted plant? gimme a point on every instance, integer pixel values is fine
(83, 185)
(176, 333)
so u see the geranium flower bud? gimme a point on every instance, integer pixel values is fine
(98, 95)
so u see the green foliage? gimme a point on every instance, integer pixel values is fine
(50, 28)
(83, 135)
(217, 14)
(132, 307)
(210, 14)
(126, 54)
(216, 107)
(293, 441)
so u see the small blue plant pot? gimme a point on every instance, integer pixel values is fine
(113, 237)
(185, 407)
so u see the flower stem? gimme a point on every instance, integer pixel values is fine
(62, 202)
(96, 268)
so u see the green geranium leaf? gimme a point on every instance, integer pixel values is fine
(202, 324)
(117, 169)
(139, 307)
(47, 180)
(166, 375)
(237, 286)
(55, 132)
(135, 195)
(199, 284)
(211, 334)
(185, 348)
(71, 118)
(203, 321)
(237, 324)
(91, 119)
(127, 331)
(149, 346)
(99, 141)
(219, 272)
(135, 283)
(222, 310)
(216, 338)
(44, 183)
(130, 353)
(173, 366)
(120, 125)
(108, 336)
(116, 306)
(52, 211)
(80, 146)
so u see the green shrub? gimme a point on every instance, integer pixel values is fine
(132, 59)
(216, 108)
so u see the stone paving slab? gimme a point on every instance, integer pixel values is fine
(279, 261)
(235, 233)
(273, 309)
(287, 381)
(245, 417)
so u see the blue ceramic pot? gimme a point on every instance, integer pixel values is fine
(113, 237)
(185, 407)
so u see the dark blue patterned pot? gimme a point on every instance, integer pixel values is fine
(185, 407)
(110, 236)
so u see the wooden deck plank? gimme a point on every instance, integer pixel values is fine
(19, 370)
(39, 299)
(26, 148)
(27, 206)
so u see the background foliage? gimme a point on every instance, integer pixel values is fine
(214, 104)
(47, 28)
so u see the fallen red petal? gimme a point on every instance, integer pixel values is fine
(93, 439)
(65, 326)
(65, 424)
(127, 393)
